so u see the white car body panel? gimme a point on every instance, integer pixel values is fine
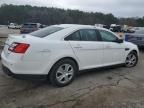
(93, 55)
(113, 53)
(43, 53)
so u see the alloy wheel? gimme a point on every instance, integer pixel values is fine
(131, 60)
(64, 73)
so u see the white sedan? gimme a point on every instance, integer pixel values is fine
(59, 52)
(14, 26)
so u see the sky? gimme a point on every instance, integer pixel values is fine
(119, 8)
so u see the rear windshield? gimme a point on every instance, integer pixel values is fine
(29, 26)
(46, 31)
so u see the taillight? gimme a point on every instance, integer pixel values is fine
(18, 47)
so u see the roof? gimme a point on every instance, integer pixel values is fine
(68, 29)
(80, 26)
(73, 25)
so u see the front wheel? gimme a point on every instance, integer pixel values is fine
(63, 72)
(131, 60)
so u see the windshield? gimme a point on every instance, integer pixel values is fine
(46, 31)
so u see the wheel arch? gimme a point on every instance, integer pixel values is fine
(68, 57)
(130, 51)
(135, 51)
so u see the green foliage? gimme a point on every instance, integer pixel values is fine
(140, 22)
(49, 16)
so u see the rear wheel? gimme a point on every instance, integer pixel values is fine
(131, 60)
(63, 72)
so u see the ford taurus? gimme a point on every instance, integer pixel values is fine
(59, 52)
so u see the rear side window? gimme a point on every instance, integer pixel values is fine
(46, 31)
(83, 35)
(88, 35)
(74, 37)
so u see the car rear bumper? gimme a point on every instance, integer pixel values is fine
(23, 76)
(20, 70)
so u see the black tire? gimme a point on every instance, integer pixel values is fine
(53, 72)
(136, 59)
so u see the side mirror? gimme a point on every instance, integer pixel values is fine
(119, 41)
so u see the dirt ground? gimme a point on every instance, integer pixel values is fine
(4, 31)
(117, 87)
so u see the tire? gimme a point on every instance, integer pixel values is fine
(131, 59)
(59, 76)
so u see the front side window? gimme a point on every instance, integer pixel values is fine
(107, 36)
(83, 35)
(88, 35)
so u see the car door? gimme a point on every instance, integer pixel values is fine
(113, 50)
(87, 48)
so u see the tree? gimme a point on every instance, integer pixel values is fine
(49, 16)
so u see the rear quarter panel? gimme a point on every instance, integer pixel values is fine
(47, 53)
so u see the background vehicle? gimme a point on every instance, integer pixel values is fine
(14, 26)
(115, 28)
(30, 27)
(60, 51)
(102, 26)
(136, 38)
